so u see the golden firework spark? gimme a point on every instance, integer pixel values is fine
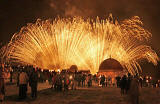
(60, 43)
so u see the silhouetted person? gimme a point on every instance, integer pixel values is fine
(66, 82)
(109, 81)
(11, 76)
(129, 79)
(54, 81)
(75, 80)
(79, 79)
(33, 82)
(2, 84)
(118, 79)
(134, 91)
(58, 82)
(89, 80)
(123, 84)
(18, 78)
(106, 82)
(23, 81)
(141, 82)
(144, 81)
(83, 80)
(102, 81)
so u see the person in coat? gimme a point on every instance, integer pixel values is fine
(134, 91)
(23, 81)
(33, 82)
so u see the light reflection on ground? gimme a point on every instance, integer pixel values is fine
(94, 95)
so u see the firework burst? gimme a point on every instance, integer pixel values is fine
(60, 43)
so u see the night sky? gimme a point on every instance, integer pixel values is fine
(17, 13)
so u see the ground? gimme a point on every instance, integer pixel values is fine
(94, 95)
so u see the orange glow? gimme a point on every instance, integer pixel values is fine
(60, 43)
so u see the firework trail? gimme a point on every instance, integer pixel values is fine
(60, 43)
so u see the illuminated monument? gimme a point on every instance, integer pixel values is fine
(111, 67)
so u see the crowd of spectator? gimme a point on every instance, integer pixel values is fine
(65, 80)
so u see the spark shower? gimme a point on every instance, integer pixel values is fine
(60, 43)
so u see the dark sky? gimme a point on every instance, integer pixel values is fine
(17, 13)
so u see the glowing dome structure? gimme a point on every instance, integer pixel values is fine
(111, 68)
(110, 65)
(73, 68)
